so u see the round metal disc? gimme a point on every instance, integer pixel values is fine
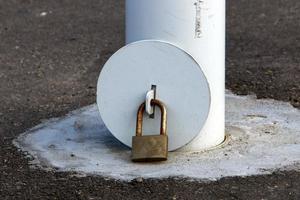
(181, 85)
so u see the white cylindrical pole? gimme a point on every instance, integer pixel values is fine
(198, 27)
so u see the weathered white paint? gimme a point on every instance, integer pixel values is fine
(198, 27)
(264, 137)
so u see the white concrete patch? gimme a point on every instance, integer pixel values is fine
(264, 137)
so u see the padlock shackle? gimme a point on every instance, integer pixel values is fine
(140, 113)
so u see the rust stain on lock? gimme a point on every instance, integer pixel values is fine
(150, 148)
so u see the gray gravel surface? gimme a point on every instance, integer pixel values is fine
(51, 53)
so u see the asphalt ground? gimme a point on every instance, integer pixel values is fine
(51, 53)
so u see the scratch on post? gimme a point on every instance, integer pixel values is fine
(198, 24)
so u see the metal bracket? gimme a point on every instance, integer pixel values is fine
(151, 94)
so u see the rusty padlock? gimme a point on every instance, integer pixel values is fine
(150, 148)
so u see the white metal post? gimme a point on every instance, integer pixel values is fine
(198, 27)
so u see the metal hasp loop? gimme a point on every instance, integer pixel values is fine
(151, 94)
(163, 124)
(149, 97)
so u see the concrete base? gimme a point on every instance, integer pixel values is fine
(264, 136)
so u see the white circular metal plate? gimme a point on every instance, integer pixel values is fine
(181, 85)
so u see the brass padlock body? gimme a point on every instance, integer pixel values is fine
(150, 148)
